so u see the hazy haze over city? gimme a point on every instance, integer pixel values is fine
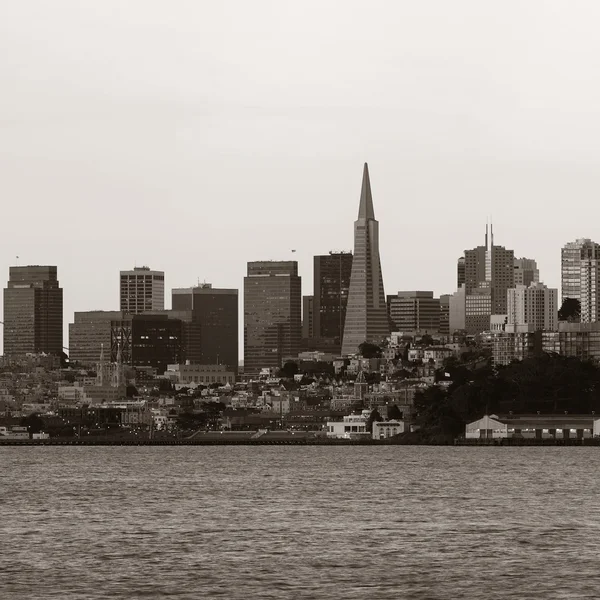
(195, 136)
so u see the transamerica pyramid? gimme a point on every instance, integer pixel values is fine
(366, 312)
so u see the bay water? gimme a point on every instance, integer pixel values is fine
(299, 522)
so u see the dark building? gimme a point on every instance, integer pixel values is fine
(460, 272)
(366, 311)
(210, 330)
(331, 285)
(155, 341)
(445, 314)
(33, 311)
(308, 316)
(272, 320)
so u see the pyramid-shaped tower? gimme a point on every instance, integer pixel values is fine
(366, 312)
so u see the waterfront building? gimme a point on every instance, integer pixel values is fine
(210, 331)
(272, 320)
(387, 429)
(526, 272)
(33, 311)
(141, 290)
(536, 305)
(331, 274)
(415, 313)
(351, 427)
(540, 427)
(366, 312)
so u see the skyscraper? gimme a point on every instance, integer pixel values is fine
(366, 311)
(415, 312)
(331, 285)
(142, 290)
(33, 311)
(526, 272)
(272, 321)
(580, 276)
(535, 307)
(489, 274)
(210, 317)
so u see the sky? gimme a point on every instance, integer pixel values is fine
(193, 136)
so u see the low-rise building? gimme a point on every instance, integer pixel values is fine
(386, 429)
(351, 427)
(533, 427)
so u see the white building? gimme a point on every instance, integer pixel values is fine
(534, 427)
(352, 427)
(535, 306)
(387, 429)
(142, 290)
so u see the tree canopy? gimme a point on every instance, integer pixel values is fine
(570, 310)
(368, 350)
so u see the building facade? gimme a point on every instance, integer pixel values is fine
(581, 340)
(526, 272)
(90, 332)
(308, 317)
(416, 312)
(272, 319)
(210, 317)
(536, 306)
(574, 257)
(142, 290)
(331, 274)
(33, 311)
(366, 312)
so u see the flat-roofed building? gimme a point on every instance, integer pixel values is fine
(142, 290)
(414, 312)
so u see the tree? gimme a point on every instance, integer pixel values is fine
(368, 350)
(373, 417)
(426, 340)
(394, 413)
(33, 422)
(289, 369)
(570, 310)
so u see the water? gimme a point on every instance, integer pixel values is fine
(299, 522)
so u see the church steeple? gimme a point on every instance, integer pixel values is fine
(365, 209)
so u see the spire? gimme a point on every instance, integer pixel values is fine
(365, 210)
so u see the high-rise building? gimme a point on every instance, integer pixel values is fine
(460, 272)
(308, 317)
(580, 275)
(489, 273)
(445, 314)
(272, 320)
(534, 307)
(366, 311)
(33, 311)
(142, 290)
(210, 317)
(331, 286)
(415, 312)
(526, 271)
(89, 333)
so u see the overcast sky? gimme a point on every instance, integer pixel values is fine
(193, 136)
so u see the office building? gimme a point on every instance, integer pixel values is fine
(445, 314)
(581, 340)
(33, 311)
(460, 272)
(414, 312)
(535, 306)
(272, 319)
(366, 312)
(574, 256)
(332, 274)
(210, 330)
(489, 271)
(526, 272)
(308, 316)
(90, 332)
(142, 290)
